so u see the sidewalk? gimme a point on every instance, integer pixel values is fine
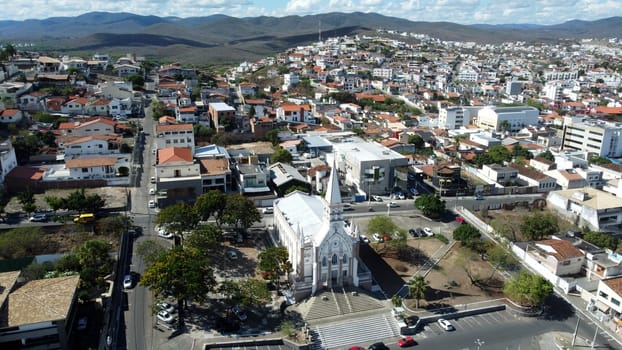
(561, 340)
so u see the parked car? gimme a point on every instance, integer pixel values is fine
(364, 239)
(428, 231)
(164, 316)
(163, 305)
(232, 254)
(376, 198)
(38, 217)
(347, 207)
(478, 196)
(413, 232)
(406, 341)
(152, 191)
(162, 232)
(378, 346)
(128, 281)
(356, 348)
(152, 203)
(377, 237)
(152, 180)
(268, 210)
(446, 325)
(239, 313)
(414, 191)
(82, 323)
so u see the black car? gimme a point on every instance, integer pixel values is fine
(413, 232)
(378, 346)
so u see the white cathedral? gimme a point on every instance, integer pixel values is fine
(323, 248)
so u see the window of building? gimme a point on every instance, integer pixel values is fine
(345, 258)
(615, 301)
(334, 259)
(603, 294)
(324, 261)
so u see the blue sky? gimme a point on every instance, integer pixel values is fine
(458, 11)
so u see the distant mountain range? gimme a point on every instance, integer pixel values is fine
(221, 38)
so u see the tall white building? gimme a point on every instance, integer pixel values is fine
(451, 118)
(323, 249)
(518, 117)
(593, 136)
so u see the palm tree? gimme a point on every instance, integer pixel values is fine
(417, 287)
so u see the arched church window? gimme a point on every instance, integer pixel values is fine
(345, 258)
(324, 261)
(335, 259)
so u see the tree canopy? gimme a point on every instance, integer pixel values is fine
(274, 262)
(539, 225)
(210, 203)
(466, 234)
(417, 287)
(281, 155)
(430, 205)
(179, 218)
(528, 289)
(239, 211)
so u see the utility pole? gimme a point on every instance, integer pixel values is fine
(576, 330)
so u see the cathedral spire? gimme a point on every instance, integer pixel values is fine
(333, 195)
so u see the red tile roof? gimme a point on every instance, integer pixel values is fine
(174, 154)
(90, 162)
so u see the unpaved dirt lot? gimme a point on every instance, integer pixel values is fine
(114, 197)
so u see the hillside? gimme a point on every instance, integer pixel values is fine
(215, 38)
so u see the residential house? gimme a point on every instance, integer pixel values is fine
(91, 168)
(175, 135)
(295, 113)
(33, 101)
(186, 114)
(76, 105)
(215, 168)
(39, 313)
(609, 298)
(567, 179)
(10, 115)
(73, 147)
(8, 161)
(99, 107)
(125, 70)
(587, 207)
(559, 256)
(500, 174)
(178, 175)
(47, 64)
(222, 116)
(284, 176)
(533, 178)
(541, 164)
(251, 177)
(97, 126)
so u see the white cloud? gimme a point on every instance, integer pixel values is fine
(302, 6)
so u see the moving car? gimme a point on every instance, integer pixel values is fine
(84, 218)
(347, 207)
(232, 254)
(163, 305)
(406, 341)
(128, 281)
(164, 316)
(392, 204)
(239, 313)
(152, 180)
(376, 198)
(82, 323)
(428, 231)
(377, 237)
(152, 191)
(446, 325)
(378, 346)
(38, 217)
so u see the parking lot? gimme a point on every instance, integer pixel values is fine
(467, 324)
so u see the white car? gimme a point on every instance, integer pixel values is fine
(268, 210)
(152, 191)
(163, 232)
(378, 237)
(392, 204)
(446, 325)
(377, 198)
(364, 239)
(128, 281)
(152, 204)
(164, 316)
(428, 231)
(163, 305)
(239, 313)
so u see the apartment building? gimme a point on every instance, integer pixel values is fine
(492, 118)
(593, 136)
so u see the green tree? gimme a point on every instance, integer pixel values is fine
(56, 203)
(21, 242)
(598, 160)
(528, 289)
(396, 300)
(518, 151)
(539, 225)
(150, 251)
(179, 218)
(113, 225)
(416, 140)
(547, 155)
(253, 292)
(381, 224)
(76, 200)
(506, 227)
(137, 80)
(182, 273)
(95, 263)
(210, 203)
(430, 205)
(467, 234)
(27, 199)
(499, 258)
(601, 239)
(239, 211)
(273, 136)
(505, 126)
(205, 238)
(274, 263)
(158, 109)
(499, 154)
(281, 155)
(417, 287)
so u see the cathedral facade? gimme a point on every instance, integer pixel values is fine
(323, 248)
